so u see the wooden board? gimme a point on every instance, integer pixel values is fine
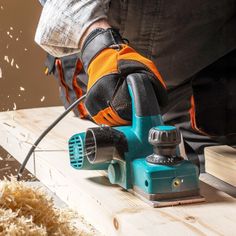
(110, 209)
(221, 162)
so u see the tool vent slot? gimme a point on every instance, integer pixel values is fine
(76, 151)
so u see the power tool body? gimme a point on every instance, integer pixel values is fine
(143, 157)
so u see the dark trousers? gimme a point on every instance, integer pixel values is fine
(190, 42)
(223, 74)
(193, 46)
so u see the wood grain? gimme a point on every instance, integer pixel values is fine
(109, 208)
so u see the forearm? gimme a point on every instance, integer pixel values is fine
(98, 24)
(63, 24)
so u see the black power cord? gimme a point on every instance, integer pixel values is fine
(44, 133)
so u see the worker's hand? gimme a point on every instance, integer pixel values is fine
(108, 61)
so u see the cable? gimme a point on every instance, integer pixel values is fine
(44, 133)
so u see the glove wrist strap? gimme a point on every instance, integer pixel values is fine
(98, 40)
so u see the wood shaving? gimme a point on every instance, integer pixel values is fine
(28, 211)
(12, 62)
(17, 67)
(6, 59)
(42, 99)
(5, 168)
(8, 33)
(14, 106)
(22, 89)
(0, 73)
(12, 224)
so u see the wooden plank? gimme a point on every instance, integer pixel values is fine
(218, 184)
(110, 209)
(221, 163)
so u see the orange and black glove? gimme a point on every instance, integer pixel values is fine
(108, 61)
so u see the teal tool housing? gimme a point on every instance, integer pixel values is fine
(143, 156)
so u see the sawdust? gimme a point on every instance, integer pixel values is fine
(6, 58)
(14, 106)
(12, 61)
(12, 224)
(28, 211)
(42, 98)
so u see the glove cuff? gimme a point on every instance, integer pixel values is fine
(98, 40)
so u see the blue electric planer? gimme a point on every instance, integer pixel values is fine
(143, 157)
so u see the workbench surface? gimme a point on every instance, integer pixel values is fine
(110, 209)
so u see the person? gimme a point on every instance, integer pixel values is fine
(187, 48)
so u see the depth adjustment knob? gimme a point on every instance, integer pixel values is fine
(164, 140)
(164, 136)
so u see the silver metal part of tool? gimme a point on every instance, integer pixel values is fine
(173, 199)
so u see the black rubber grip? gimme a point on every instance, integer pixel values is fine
(145, 99)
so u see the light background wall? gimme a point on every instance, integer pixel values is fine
(22, 83)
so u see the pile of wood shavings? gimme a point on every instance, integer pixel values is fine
(12, 224)
(28, 211)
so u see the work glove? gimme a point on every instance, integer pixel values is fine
(108, 60)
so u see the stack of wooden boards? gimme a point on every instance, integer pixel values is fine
(221, 162)
(110, 209)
